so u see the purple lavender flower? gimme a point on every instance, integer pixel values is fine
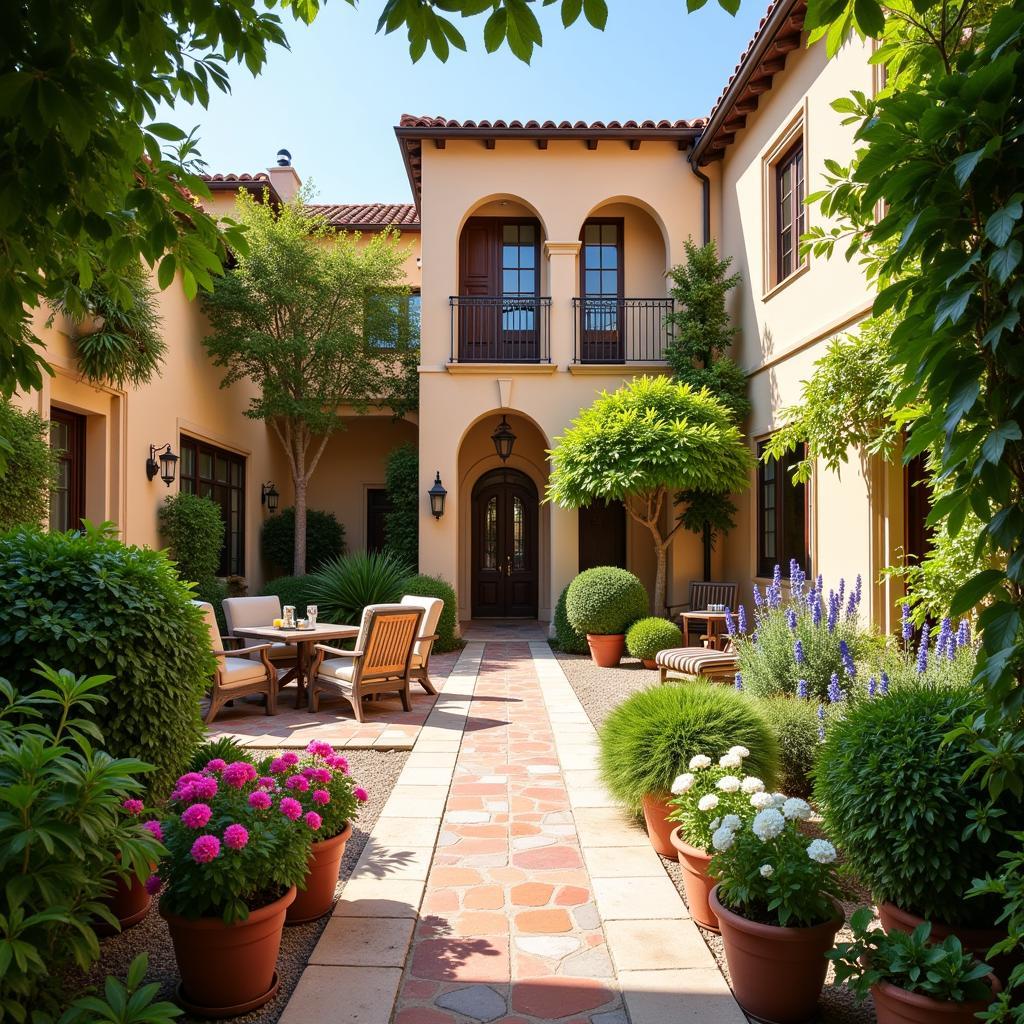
(819, 583)
(774, 595)
(757, 596)
(802, 690)
(753, 638)
(791, 619)
(883, 684)
(946, 645)
(834, 602)
(798, 652)
(908, 626)
(922, 650)
(842, 590)
(816, 612)
(741, 619)
(847, 659)
(739, 681)
(821, 723)
(835, 691)
(963, 633)
(730, 626)
(872, 687)
(777, 575)
(797, 579)
(858, 588)
(851, 605)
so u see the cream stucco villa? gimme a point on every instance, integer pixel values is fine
(538, 254)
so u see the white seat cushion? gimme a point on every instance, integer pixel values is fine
(235, 671)
(337, 668)
(251, 611)
(417, 660)
(432, 608)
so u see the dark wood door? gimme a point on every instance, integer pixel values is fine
(504, 546)
(602, 534)
(378, 505)
(67, 497)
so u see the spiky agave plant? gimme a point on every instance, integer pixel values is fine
(346, 585)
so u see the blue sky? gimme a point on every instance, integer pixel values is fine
(334, 98)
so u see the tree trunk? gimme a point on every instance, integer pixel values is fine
(646, 509)
(299, 564)
(660, 550)
(706, 539)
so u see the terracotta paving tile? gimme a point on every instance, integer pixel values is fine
(543, 921)
(484, 897)
(532, 894)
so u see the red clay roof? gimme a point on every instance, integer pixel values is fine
(369, 216)
(236, 178)
(425, 121)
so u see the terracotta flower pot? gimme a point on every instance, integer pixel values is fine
(659, 828)
(894, 1005)
(978, 940)
(649, 663)
(697, 882)
(318, 896)
(606, 648)
(777, 973)
(228, 969)
(129, 903)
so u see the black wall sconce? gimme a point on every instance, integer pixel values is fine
(166, 466)
(437, 494)
(503, 439)
(269, 497)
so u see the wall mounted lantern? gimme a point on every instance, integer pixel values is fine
(437, 494)
(269, 497)
(166, 466)
(503, 439)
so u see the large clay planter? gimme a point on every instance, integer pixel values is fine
(129, 903)
(777, 973)
(649, 663)
(318, 896)
(659, 828)
(606, 648)
(697, 881)
(894, 1005)
(228, 969)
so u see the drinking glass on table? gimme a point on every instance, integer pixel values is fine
(311, 613)
(289, 616)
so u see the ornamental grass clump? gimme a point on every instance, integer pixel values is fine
(650, 738)
(646, 637)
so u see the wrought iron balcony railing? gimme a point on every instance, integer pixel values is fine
(614, 330)
(500, 328)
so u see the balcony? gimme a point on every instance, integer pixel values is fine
(500, 328)
(618, 330)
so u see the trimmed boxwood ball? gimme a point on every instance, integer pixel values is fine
(605, 600)
(896, 800)
(566, 639)
(90, 604)
(650, 737)
(646, 637)
(795, 725)
(448, 625)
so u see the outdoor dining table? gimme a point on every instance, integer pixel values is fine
(715, 624)
(304, 641)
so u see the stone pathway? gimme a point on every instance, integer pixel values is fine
(501, 882)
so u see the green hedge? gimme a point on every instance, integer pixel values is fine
(325, 539)
(566, 638)
(402, 522)
(795, 725)
(31, 468)
(295, 590)
(194, 532)
(448, 626)
(605, 600)
(90, 604)
(646, 637)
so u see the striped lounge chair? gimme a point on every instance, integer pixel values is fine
(696, 661)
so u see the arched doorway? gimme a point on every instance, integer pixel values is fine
(504, 565)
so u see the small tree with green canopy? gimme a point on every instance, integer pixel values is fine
(641, 443)
(308, 316)
(31, 468)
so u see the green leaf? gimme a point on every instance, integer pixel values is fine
(1000, 224)
(596, 12)
(952, 306)
(166, 131)
(166, 270)
(869, 17)
(495, 29)
(1005, 261)
(992, 448)
(571, 10)
(971, 593)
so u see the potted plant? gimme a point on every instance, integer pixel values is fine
(777, 909)
(702, 798)
(132, 892)
(319, 780)
(603, 603)
(649, 739)
(910, 979)
(238, 844)
(646, 637)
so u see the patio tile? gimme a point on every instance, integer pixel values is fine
(405, 863)
(679, 997)
(369, 896)
(657, 945)
(625, 899)
(607, 826)
(343, 995)
(615, 861)
(364, 942)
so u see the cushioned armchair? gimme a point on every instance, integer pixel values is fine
(236, 674)
(258, 611)
(380, 662)
(432, 608)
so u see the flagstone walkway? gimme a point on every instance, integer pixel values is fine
(501, 882)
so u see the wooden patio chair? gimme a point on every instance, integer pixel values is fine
(258, 611)
(702, 593)
(380, 662)
(432, 608)
(237, 675)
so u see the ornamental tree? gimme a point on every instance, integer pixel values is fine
(640, 444)
(308, 315)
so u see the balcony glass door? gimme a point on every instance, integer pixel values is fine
(519, 290)
(602, 279)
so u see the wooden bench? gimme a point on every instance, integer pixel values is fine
(720, 666)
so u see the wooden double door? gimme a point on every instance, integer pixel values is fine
(504, 546)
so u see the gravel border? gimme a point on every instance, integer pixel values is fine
(600, 691)
(377, 771)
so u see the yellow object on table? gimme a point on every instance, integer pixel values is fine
(278, 623)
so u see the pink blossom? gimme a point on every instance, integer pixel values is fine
(155, 829)
(183, 787)
(266, 782)
(307, 772)
(134, 807)
(291, 808)
(290, 758)
(204, 788)
(321, 775)
(297, 782)
(313, 820)
(321, 796)
(320, 747)
(259, 800)
(236, 836)
(238, 773)
(338, 763)
(217, 764)
(360, 794)
(278, 765)
(205, 849)
(153, 884)
(196, 816)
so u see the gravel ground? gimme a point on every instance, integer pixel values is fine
(602, 689)
(377, 772)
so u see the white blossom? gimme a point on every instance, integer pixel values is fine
(768, 824)
(752, 784)
(730, 760)
(723, 838)
(683, 783)
(759, 801)
(739, 751)
(708, 802)
(733, 821)
(796, 809)
(779, 799)
(715, 824)
(821, 851)
(728, 784)
(699, 761)
(767, 871)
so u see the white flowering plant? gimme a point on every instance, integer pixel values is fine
(711, 792)
(769, 871)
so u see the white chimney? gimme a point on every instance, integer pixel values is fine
(283, 177)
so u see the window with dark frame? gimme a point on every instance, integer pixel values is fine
(402, 314)
(67, 497)
(219, 475)
(789, 211)
(783, 520)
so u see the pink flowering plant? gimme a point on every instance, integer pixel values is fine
(319, 781)
(236, 841)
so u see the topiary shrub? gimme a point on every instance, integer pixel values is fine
(448, 625)
(650, 737)
(402, 522)
(795, 725)
(646, 637)
(294, 590)
(194, 532)
(325, 539)
(346, 585)
(31, 468)
(605, 600)
(566, 638)
(93, 605)
(897, 800)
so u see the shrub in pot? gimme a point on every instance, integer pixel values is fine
(702, 798)
(794, 722)
(649, 739)
(646, 637)
(911, 979)
(603, 603)
(899, 800)
(330, 799)
(238, 845)
(777, 909)
(566, 638)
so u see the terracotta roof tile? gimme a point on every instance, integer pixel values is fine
(424, 121)
(231, 177)
(368, 215)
